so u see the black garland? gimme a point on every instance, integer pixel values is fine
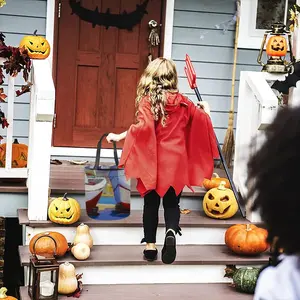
(290, 80)
(121, 21)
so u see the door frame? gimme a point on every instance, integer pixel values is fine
(51, 36)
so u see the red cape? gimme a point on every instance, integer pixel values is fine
(180, 154)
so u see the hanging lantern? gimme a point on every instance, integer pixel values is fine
(43, 275)
(276, 50)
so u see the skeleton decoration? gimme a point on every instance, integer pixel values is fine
(153, 38)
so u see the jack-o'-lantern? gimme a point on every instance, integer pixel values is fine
(220, 203)
(276, 46)
(19, 155)
(64, 210)
(37, 46)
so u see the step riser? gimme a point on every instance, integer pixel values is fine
(192, 203)
(151, 274)
(133, 235)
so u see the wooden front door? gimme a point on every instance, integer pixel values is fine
(98, 70)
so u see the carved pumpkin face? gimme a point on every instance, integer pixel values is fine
(276, 46)
(220, 203)
(64, 210)
(37, 46)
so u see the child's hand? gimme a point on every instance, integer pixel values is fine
(204, 105)
(112, 137)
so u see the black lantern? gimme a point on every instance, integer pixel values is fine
(43, 276)
(276, 50)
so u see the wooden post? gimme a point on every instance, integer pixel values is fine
(40, 138)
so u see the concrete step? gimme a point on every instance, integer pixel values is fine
(197, 229)
(155, 291)
(125, 265)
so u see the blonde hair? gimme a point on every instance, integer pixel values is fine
(159, 77)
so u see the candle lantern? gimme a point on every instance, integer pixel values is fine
(43, 275)
(276, 50)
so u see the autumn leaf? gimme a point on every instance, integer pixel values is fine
(4, 122)
(2, 95)
(24, 89)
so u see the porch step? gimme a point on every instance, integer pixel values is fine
(125, 265)
(197, 229)
(213, 291)
(132, 255)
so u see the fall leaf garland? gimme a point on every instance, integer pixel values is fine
(294, 12)
(16, 60)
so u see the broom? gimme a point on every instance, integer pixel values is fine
(228, 146)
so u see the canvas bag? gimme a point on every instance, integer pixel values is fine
(107, 192)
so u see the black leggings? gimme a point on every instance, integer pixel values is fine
(150, 213)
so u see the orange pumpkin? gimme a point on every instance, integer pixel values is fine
(246, 239)
(276, 46)
(214, 182)
(3, 295)
(19, 155)
(45, 245)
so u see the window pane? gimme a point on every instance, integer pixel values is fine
(271, 11)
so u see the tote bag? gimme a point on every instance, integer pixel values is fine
(107, 192)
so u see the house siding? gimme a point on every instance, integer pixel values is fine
(17, 19)
(212, 55)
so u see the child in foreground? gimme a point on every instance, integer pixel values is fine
(274, 175)
(171, 146)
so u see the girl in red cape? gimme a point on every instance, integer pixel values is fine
(172, 145)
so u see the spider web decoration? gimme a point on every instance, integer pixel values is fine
(121, 21)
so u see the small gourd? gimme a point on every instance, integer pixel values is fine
(67, 281)
(83, 235)
(81, 251)
(3, 295)
(244, 279)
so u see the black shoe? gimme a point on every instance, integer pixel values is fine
(150, 254)
(169, 250)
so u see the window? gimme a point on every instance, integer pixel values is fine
(257, 16)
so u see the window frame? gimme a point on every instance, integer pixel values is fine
(249, 36)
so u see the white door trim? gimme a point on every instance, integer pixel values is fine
(167, 52)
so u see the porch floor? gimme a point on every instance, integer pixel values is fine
(69, 178)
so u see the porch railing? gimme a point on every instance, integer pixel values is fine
(8, 171)
(257, 107)
(40, 135)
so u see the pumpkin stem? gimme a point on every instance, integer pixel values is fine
(3, 292)
(230, 271)
(16, 141)
(222, 186)
(35, 32)
(248, 228)
(65, 197)
(215, 175)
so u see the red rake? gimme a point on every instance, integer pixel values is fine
(191, 76)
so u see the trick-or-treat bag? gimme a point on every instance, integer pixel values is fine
(107, 191)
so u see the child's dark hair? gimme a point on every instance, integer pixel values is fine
(274, 180)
